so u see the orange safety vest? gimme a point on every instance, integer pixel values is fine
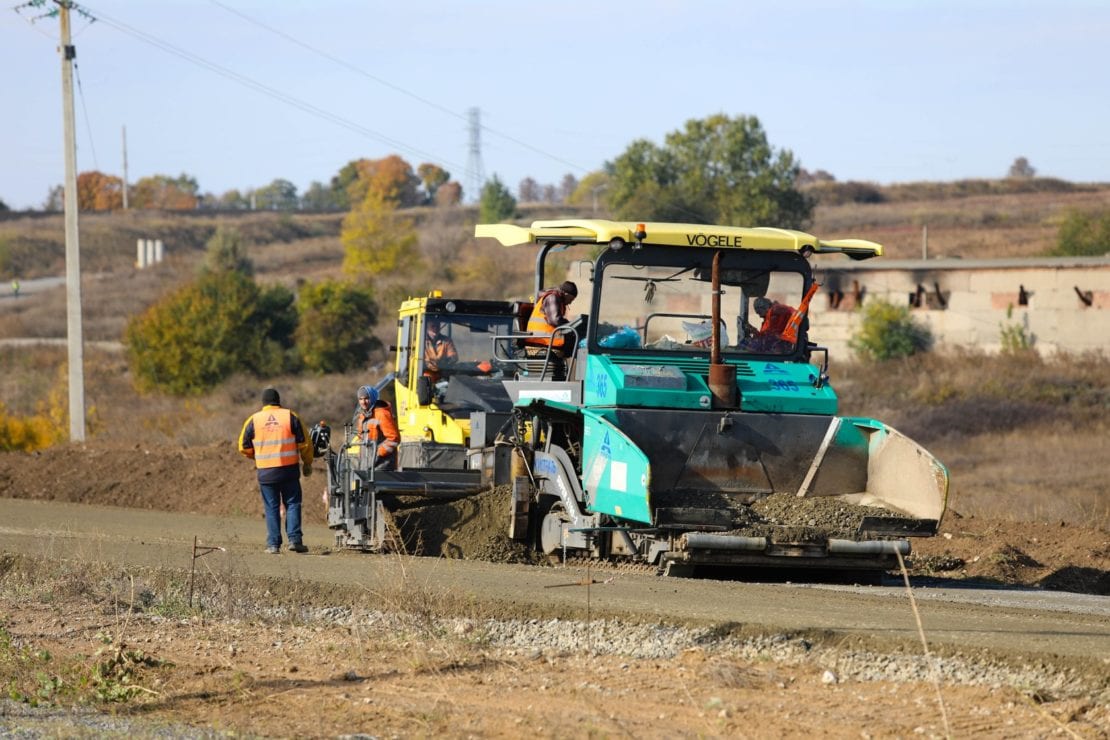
(539, 328)
(275, 446)
(437, 350)
(380, 428)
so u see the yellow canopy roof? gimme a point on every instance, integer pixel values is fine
(595, 231)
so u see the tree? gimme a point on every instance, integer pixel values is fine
(233, 200)
(528, 190)
(887, 331)
(716, 170)
(97, 191)
(220, 324)
(55, 199)
(449, 194)
(432, 177)
(165, 193)
(319, 197)
(1021, 168)
(279, 195)
(4, 207)
(391, 177)
(497, 203)
(341, 184)
(334, 330)
(1083, 235)
(377, 240)
(592, 190)
(225, 252)
(567, 186)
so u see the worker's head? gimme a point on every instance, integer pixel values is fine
(433, 326)
(569, 291)
(270, 397)
(762, 305)
(367, 396)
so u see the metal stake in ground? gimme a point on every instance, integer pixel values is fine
(199, 551)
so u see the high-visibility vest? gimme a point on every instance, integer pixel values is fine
(539, 328)
(274, 444)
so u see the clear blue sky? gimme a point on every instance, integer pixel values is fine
(878, 90)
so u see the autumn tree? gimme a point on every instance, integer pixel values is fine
(390, 177)
(97, 191)
(432, 178)
(449, 194)
(341, 184)
(376, 240)
(497, 203)
(716, 170)
(165, 193)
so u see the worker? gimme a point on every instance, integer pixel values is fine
(15, 288)
(275, 439)
(549, 313)
(374, 424)
(775, 317)
(439, 351)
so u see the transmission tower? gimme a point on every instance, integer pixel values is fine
(476, 176)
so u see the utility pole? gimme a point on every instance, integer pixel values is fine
(125, 168)
(73, 251)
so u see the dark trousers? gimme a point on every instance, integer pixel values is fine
(288, 493)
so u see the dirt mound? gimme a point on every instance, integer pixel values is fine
(472, 528)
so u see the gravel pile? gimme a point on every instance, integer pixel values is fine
(535, 638)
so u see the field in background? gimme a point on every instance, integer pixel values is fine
(1020, 435)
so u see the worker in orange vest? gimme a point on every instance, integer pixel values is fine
(374, 424)
(275, 439)
(769, 337)
(549, 313)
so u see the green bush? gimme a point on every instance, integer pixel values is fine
(887, 331)
(225, 252)
(497, 204)
(218, 325)
(336, 319)
(1083, 235)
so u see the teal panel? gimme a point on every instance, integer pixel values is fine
(616, 474)
(641, 382)
(785, 388)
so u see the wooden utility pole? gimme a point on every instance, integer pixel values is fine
(73, 251)
(125, 168)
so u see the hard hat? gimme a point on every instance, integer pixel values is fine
(368, 391)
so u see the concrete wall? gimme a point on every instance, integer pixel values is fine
(967, 302)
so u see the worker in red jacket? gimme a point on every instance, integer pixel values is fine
(775, 317)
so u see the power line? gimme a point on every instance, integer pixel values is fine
(397, 88)
(268, 90)
(85, 110)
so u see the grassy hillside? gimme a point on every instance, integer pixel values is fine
(1025, 427)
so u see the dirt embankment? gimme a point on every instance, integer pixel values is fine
(214, 479)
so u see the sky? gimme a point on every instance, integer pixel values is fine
(237, 93)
